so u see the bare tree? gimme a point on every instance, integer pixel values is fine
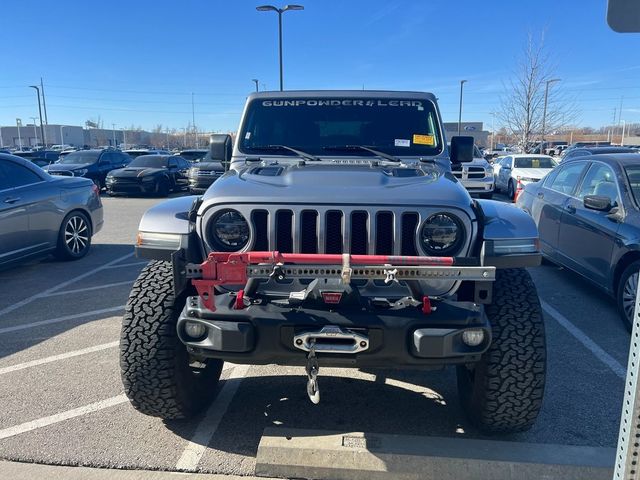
(522, 105)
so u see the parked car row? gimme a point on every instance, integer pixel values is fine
(587, 211)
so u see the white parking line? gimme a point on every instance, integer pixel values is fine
(59, 417)
(55, 358)
(207, 428)
(584, 339)
(132, 264)
(60, 319)
(88, 289)
(60, 286)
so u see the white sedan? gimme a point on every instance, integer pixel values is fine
(516, 171)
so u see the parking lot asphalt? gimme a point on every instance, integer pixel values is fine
(62, 400)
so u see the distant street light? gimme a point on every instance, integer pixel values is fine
(37, 89)
(462, 82)
(255, 80)
(35, 131)
(544, 112)
(279, 11)
(19, 124)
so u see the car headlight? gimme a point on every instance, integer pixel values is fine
(193, 172)
(526, 179)
(228, 231)
(80, 172)
(442, 234)
(109, 179)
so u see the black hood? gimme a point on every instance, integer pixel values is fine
(136, 172)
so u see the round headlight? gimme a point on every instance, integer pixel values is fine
(229, 231)
(442, 234)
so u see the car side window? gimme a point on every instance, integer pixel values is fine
(600, 180)
(567, 178)
(15, 176)
(173, 163)
(105, 159)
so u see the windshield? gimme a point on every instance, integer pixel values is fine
(395, 126)
(152, 161)
(79, 158)
(533, 162)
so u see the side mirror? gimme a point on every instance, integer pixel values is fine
(220, 147)
(461, 149)
(597, 202)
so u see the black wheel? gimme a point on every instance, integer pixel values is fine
(503, 392)
(626, 293)
(511, 191)
(163, 187)
(74, 238)
(159, 377)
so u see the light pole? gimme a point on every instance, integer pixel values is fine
(37, 89)
(35, 131)
(61, 135)
(544, 113)
(115, 144)
(279, 11)
(255, 80)
(124, 137)
(624, 124)
(462, 82)
(19, 124)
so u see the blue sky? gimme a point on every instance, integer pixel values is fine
(136, 62)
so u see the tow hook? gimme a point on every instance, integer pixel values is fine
(312, 368)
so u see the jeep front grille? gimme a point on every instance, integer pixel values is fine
(358, 229)
(383, 232)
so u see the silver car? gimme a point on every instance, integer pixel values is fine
(41, 214)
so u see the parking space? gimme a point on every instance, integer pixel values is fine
(63, 401)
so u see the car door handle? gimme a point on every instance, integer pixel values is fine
(11, 199)
(540, 195)
(571, 209)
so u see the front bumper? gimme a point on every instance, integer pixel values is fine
(485, 185)
(263, 333)
(201, 183)
(132, 186)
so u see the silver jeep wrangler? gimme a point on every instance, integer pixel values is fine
(339, 237)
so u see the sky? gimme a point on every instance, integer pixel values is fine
(137, 62)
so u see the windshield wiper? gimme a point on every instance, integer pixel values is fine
(346, 148)
(300, 153)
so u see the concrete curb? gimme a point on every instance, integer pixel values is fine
(33, 471)
(316, 454)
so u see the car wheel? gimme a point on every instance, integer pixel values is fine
(74, 238)
(163, 187)
(503, 392)
(160, 379)
(626, 293)
(511, 191)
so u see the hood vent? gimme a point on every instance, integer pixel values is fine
(406, 172)
(267, 171)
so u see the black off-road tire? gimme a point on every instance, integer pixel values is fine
(503, 392)
(154, 363)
